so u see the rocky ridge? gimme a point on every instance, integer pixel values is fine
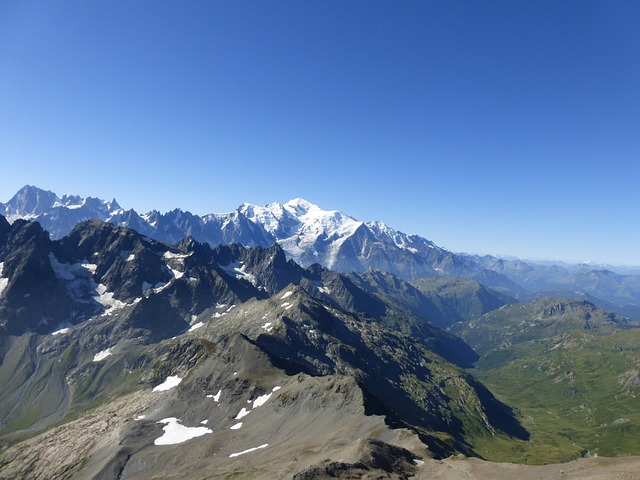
(314, 360)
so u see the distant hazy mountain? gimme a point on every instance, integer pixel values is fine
(307, 233)
(586, 281)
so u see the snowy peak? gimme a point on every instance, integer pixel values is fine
(300, 207)
(58, 215)
(30, 201)
(307, 233)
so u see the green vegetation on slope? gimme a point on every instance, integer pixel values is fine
(571, 370)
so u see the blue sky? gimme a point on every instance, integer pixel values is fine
(490, 127)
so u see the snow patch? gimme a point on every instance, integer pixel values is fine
(179, 256)
(286, 294)
(286, 305)
(3, 281)
(176, 274)
(175, 432)
(92, 267)
(204, 422)
(267, 326)
(248, 450)
(62, 331)
(168, 384)
(261, 400)
(237, 426)
(243, 413)
(196, 326)
(238, 270)
(102, 355)
(105, 298)
(216, 397)
(79, 283)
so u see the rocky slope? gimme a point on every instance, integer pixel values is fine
(197, 338)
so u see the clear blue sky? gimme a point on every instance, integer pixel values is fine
(507, 127)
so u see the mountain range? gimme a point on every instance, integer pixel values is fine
(106, 313)
(127, 356)
(309, 234)
(305, 232)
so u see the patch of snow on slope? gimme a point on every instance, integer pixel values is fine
(286, 294)
(3, 281)
(243, 413)
(79, 283)
(237, 270)
(175, 260)
(105, 298)
(177, 274)
(177, 256)
(102, 355)
(196, 326)
(168, 384)
(248, 450)
(175, 432)
(261, 400)
(62, 331)
(216, 397)
(267, 326)
(236, 426)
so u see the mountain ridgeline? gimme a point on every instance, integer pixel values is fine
(309, 235)
(305, 232)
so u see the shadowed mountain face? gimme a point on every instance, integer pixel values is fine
(318, 361)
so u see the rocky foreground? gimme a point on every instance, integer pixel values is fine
(98, 446)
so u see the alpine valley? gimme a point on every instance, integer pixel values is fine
(286, 341)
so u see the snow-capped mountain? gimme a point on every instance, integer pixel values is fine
(58, 215)
(307, 233)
